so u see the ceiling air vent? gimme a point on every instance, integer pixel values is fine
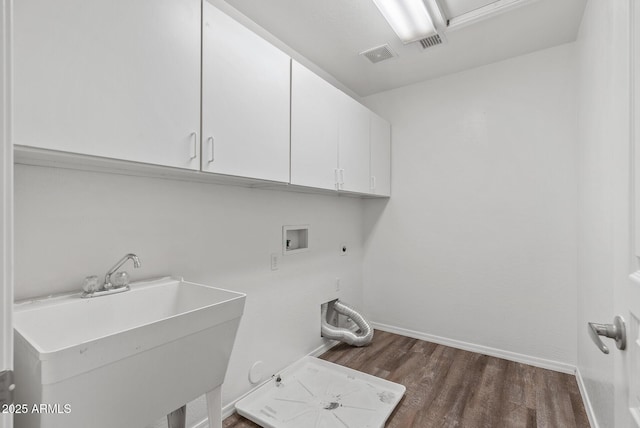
(431, 41)
(379, 53)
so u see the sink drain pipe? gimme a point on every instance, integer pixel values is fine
(362, 337)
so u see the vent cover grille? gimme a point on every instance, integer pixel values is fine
(379, 53)
(431, 41)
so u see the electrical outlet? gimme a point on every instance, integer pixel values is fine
(275, 263)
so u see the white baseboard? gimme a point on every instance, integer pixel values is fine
(203, 423)
(230, 408)
(587, 402)
(494, 352)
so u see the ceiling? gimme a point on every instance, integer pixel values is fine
(332, 33)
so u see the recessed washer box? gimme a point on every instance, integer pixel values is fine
(295, 239)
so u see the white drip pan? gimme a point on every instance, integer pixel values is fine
(315, 393)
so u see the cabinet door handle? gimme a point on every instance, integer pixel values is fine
(335, 178)
(211, 141)
(194, 145)
(342, 178)
(373, 182)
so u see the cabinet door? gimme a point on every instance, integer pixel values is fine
(353, 154)
(245, 101)
(115, 79)
(314, 129)
(380, 183)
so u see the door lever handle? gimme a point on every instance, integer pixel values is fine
(616, 331)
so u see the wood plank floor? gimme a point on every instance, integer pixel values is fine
(448, 387)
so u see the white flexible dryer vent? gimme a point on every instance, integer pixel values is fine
(362, 337)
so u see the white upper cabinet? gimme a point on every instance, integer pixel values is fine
(138, 81)
(380, 130)
(332, 137)
(353, 145)
(245, 101)
(314, 130)
(117, 79)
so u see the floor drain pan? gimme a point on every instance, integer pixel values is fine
(314, 393)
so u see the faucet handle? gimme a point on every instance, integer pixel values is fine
(91, 284)
(120, 279)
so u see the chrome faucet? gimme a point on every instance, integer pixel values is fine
(107, 278)
(92, 288)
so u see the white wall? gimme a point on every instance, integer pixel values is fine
(70, 224)
(478, 241)
(604, 155)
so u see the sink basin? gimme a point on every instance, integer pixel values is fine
(125, 359)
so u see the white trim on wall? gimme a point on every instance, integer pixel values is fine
(6, 200)
(587, 402)
(472, 347)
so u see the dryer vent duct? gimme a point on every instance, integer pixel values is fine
(362, 337)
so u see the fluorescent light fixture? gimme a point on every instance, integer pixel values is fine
(485, 12)
(408, 18)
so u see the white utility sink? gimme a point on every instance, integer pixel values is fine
(123, 360)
